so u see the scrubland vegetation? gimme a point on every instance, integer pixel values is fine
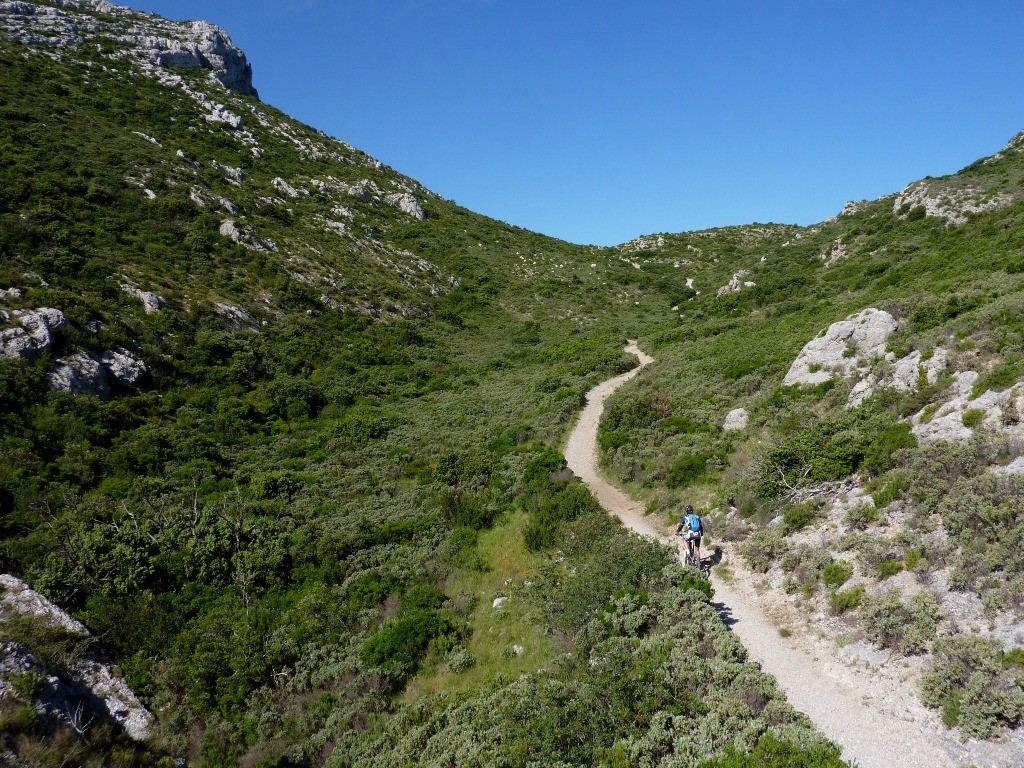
(295, 535)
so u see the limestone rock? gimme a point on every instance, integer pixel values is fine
(736, 284)
(35, 335)
(284, 187)
(736, 419)
(150, 301)
(406, 203)
(124, 368)
(234, 175)
(104, 690)
(947, 422)
(79, 374)
(498, 602)
(905, 376)
(158, 42)
(237, 315)
(843, 348)
(952, 205)
(1015, 467)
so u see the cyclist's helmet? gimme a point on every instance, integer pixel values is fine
(689, 509)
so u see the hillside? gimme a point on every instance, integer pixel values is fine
(280, 427)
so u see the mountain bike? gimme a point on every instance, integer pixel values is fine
(691, 560)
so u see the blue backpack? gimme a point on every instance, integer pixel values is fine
(694, 521)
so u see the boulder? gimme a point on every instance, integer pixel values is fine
(905, 376)
(736, 419)
(79, 374)
(106, 691)
(35, 335)
(408, 204)
(123, 368)
(736, 284)
(150, 301)
(843, 348)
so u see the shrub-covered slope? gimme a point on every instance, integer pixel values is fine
(878, 478)
(276, 423)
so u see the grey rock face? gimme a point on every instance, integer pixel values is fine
(35, 335)
(79, 374)
(843, 348)
(736, 284)
(123, 367)
(150, 301)
(905, 376)
(406, 203)
(736, 419)
(99, 681)
(193, 45)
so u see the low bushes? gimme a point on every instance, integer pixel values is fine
(905, 627)
(975, 685)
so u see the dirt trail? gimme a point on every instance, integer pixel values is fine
(837, 707)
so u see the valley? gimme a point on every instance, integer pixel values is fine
(287, 450)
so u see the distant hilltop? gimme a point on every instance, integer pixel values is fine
(60, 24)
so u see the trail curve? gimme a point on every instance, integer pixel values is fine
(866, 736)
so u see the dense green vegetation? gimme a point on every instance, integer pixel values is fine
(294, 527)
(291, 534)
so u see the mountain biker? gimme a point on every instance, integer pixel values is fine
(691, 529)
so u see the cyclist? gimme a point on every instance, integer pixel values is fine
(691, 529)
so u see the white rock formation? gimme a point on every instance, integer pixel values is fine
(951, 205)
(123, 367)
(234, 175)
(406, 203)
(843, 348)
(1015, 467)
(284, 187)
(192, 45)
(906, 375)
(236, 314)
(498, 602)
(947, 422)
(737, 418)
(108, 688)
(79, 374)
(35, 335)
(736, 284)
(150, 301)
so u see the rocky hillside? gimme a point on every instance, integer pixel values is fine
(277, 426)
(846, 401)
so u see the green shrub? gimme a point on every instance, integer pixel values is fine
(847, 600)
(889, 567)
(773, 752)
(836, 573)
(906, 627)
(799, 516)
(972, 417)
(763, 547)
(971, 687)
(687, 469)
(861, 515)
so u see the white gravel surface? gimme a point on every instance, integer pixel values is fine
(846, 710)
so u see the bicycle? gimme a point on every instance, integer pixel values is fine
(691, 560)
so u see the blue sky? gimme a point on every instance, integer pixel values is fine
(600, 121)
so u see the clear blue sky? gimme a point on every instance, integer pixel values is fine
(598, 121)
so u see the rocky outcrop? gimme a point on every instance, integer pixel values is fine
(737, 418)
(79, 374)
(94, 687)
(958, 418)
(844, 348)
(736, 284)
(192, 45)
(952, 205)
(123, 368)
(35, 334)
(905, 374)
(150, 301)
(408, 204)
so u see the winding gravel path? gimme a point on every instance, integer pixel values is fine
(837, 708)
